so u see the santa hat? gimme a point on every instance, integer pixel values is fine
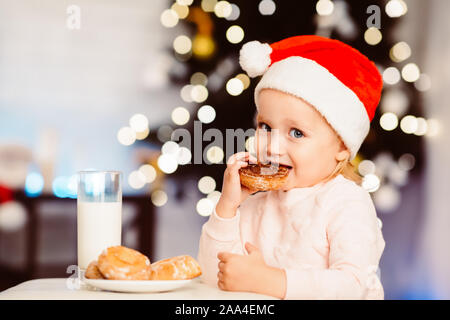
(336, 79)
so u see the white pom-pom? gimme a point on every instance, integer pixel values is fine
(254, 58)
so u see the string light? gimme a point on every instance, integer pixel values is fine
(170, 147)
(267, 7)
(235, 34)
(366, 167)
(396, 8)
(139, 122)
(180, 116)
(141, 135)
(244, 79)
(422, 127)
(234, 87)
(391, 75)
(136, 179)
(169, 18)
(167, 163)
(223, 9)
(215, 154)
(373, 36)
(410, 72)
(206, 114)
(235, 13)
(149, 172)
(159, 198)
(409, 124)
(199, 93)
(206, 184)
(126, 136)
(389, 121)
(199, 78)
(324, 7)
(208, 5)
(423, 83)
(205, 207)
(214, 196)
(370, 182)
(400, 52)
(181, 10)
(182, 44)
(183, 155)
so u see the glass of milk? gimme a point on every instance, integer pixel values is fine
(99, 214)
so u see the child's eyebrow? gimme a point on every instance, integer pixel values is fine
(299, 125)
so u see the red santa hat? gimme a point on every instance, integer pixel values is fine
(336, 79)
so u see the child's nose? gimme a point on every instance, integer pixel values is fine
(276, 146)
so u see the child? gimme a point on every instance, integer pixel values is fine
(318, 237)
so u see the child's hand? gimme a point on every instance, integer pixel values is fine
(233, 193)
(241, 272)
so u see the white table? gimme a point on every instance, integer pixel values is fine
(57, 289)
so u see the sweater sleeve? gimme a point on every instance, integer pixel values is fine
(355, 248)
(218, 234)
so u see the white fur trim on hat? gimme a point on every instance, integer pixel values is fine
(254, 58)
(312, 82)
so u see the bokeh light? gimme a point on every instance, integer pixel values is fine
(234, 87)
(126, 136)
(205, 207)
(182, 44)
(34, 184)
(215, 154)
(167, 163)
(159, 198)
(409, 124)
(206, 184)
(206, 114)
(324, 7)
(136, 179)
(235, 34)
(373, 36)
(180, 116)
(267, 7)
(389, 121)
(169, 18)
(149, 172)
(139, 122)
(410, 72)
(391, 75)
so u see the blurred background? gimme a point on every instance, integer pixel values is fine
(104, 84)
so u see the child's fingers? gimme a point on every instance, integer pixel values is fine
(224, 256)
(241, 156)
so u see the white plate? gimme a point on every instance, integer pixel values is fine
(137, 285)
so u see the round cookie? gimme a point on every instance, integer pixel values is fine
(92, 271)
(263, 177)
(176, 268)
(122, 263)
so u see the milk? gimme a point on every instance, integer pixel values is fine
(99, 226)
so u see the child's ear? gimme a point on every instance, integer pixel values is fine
(343, 153)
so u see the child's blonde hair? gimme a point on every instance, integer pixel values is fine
(348, 170)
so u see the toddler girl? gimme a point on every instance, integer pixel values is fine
(319, 236)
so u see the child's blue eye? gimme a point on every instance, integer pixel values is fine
(295, 133)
